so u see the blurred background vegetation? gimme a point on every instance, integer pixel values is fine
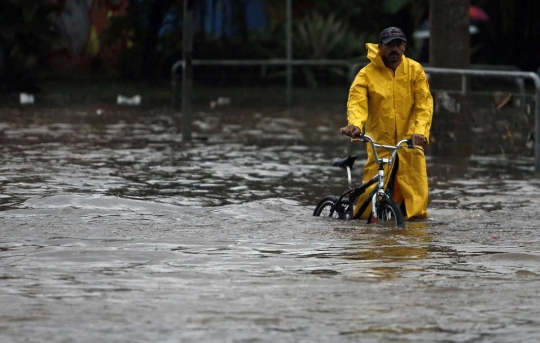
(141, 39)
(26, 35)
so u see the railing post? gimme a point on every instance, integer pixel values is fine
(537, 125)
(187, 71)
(174, 83)
(289, 51)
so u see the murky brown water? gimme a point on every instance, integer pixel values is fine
(111, 231)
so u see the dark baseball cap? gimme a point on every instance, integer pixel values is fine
(390, 33)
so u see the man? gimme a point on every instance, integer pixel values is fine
(390, 98)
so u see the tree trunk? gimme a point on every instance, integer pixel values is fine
(449, 45)
(450, 48)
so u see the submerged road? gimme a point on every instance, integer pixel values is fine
(111, 231)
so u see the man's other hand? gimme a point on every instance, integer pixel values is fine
(351, 131)
(417, 139)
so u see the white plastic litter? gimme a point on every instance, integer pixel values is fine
(131, 101)
(223, 101)
(26, 99)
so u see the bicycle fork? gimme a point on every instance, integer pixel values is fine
(379, 193)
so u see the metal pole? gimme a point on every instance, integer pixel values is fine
(537, 126)
(187, 68)
(289, 51)
(174, 82)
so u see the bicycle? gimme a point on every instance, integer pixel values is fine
(383, 208)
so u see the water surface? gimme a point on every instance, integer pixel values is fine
(111, 230)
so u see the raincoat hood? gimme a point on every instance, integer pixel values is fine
(375, 55)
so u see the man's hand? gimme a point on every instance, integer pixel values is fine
(351, 131)
(418, 140)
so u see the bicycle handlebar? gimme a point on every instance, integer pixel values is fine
(367, 139)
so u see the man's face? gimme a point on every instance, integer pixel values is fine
(393, 50)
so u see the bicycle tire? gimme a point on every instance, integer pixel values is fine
(389, 213)
(325, 205)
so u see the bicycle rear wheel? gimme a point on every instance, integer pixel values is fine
(324, 207)
(389, 213)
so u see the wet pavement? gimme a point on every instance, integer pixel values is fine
(110, 230)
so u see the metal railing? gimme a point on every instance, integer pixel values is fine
(353, 68)
(503, 74)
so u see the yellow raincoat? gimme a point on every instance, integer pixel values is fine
(390, 108)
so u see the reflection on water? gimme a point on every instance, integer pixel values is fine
(388, 253)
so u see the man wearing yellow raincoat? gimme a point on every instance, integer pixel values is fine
(390, 98)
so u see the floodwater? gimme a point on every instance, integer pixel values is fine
(111, 231)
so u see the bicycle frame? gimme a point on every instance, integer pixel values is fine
(379, 190)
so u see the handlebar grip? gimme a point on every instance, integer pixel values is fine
(409, 143)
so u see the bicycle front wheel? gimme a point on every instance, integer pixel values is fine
(388, 212)
(324, 207)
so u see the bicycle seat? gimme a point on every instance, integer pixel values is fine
(345, 162)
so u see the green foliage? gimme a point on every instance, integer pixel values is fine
(318, 37)
(364, 17)
(393, 6)
(324, 37)
(26, 34)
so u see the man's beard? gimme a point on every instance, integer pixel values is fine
(393, 57)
